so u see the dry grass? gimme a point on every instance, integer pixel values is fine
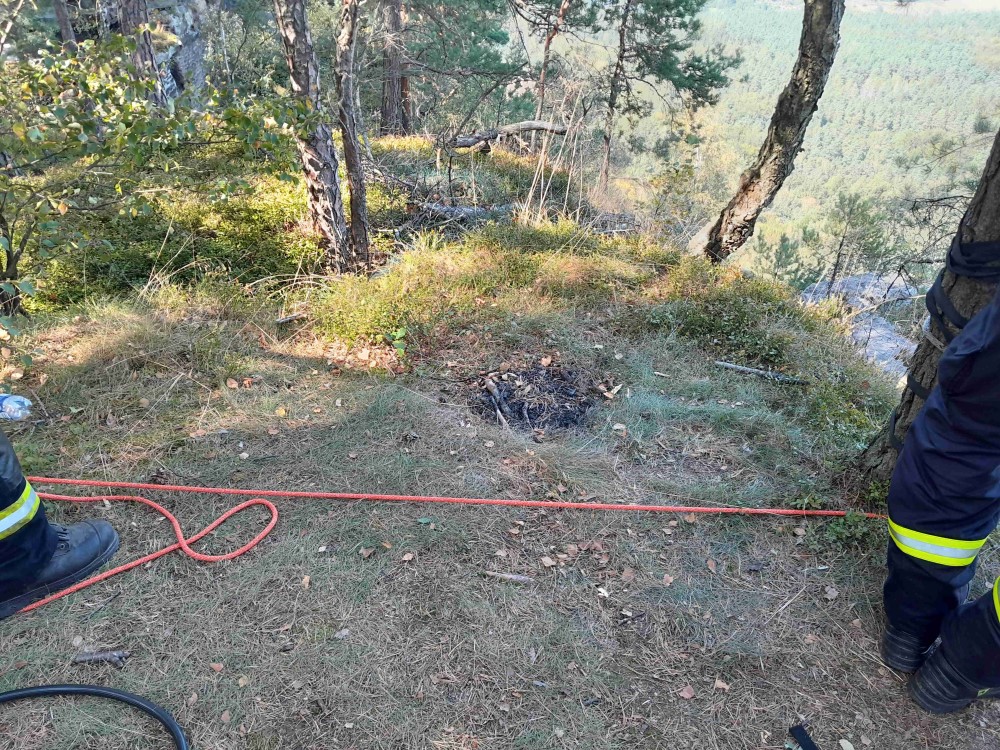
(384, 652)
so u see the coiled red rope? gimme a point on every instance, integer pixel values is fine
(258, 499)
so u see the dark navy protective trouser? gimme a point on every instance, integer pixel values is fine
(944, 501)
(26, 540)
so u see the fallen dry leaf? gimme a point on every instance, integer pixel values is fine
(799, 531)
(353, 456)
(690, 517)
(408, 557)
(306, 580)
(712, 565)
(144, 403)
(686, 692)
(366, 552)
(231, 383)
(216, 666)
(545, 361)
(548, 562)
(342, 634)
(281, 411)
(192, 699)
(628, 575)
(721, 685)
(831, 593)
(845, 745)
(667, 579)
(273, 431)
(226, 716)
(244, 681)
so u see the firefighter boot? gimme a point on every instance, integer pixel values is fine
(902, 651)
(81, 549)
(937, 686)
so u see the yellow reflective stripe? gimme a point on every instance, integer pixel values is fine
(937, 540)
(938, 549)
(996, 597)
(15, 516)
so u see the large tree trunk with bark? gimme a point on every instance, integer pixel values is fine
(66, 33)
(981, 223)
(349, 130)
(776, 160)
(618, 82)
(395, 84)
(319, 159)
(546, 56)
(134, 22)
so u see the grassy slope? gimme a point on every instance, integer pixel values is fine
(594, 655)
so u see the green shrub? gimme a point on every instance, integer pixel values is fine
(727, 314)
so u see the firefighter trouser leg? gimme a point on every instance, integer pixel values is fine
(944, 501)
(26, 540)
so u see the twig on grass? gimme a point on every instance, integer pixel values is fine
(511, 577)
(116, 658)
(769, 374)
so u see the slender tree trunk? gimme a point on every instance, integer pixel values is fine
(546, 56)
(134, 20)
(66, 32)
(319, 159)
(617, 84)
(395, 85)
(349, 130)
(776, 160)
(981, 223)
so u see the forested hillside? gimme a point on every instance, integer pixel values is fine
(908, 113)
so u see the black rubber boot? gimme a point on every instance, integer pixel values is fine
(81, 550)
(902, 651)
(938, 688)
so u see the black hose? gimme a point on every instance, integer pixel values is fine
(96, 691)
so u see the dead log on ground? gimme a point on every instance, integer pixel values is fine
(527, 126)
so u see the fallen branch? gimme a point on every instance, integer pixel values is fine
(511, 577)
(501, 403)
(116, 658)
(769, 374)
(462, 213)
(527, 126)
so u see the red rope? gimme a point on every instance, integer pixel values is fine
(257, 498)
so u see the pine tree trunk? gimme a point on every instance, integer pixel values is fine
(395, 85)
(66, 33)
(981, 223)
(776, 160)
(349, 130)
(546, 56)
(134, 19)
(617, 84)
(319, 159)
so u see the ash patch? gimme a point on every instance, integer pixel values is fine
(540, 398)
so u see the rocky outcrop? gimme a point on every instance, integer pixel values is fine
(178, 42)
(865, 295)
